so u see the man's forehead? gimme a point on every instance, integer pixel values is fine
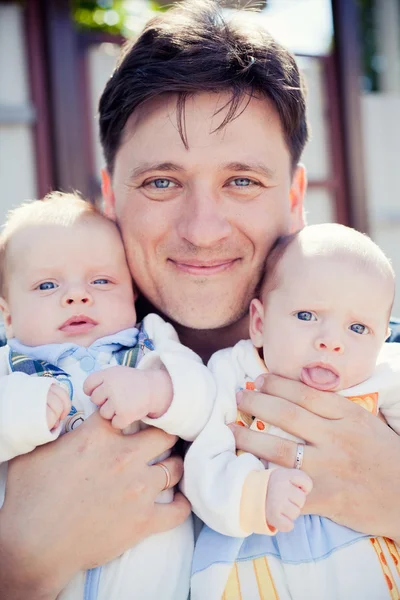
(154, 136)
(212, 108)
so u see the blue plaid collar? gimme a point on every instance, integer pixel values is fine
(52, 353)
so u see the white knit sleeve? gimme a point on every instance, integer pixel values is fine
(214, 476)
(193, 385)
(23, 423)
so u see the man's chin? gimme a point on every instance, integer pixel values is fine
(207, 320)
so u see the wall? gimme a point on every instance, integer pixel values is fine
(381, 132)
(17, 160)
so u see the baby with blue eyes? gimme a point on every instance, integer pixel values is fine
(321, 317)
(65, 282)
(324, 307)
(73, 346)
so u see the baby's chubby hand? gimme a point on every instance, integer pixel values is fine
(58, 405)
(286, 496)
(126, 395)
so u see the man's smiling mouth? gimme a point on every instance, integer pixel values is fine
(204, 268)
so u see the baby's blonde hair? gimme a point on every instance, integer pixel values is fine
(57, 208)
(330, 240)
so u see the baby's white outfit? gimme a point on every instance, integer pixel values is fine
(237, 555)
(158, 567)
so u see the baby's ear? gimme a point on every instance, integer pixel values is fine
(256, 327)
(388, 333)
(6, 317)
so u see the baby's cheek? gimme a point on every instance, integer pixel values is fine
(356, 371)
(279, 361)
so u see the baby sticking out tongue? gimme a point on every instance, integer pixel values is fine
(321, 378)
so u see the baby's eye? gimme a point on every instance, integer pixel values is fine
(359, 328)
(47, 285)
(305, 315)
(101, 281)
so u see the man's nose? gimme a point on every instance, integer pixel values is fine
(77, 295)
(329, 343)
(204, 223)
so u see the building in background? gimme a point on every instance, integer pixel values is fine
(56, 55)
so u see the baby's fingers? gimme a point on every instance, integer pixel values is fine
(92, 382)
(99, 396)
(64, 400)
(280, 521)
(290, 510)
(301, 480)
(284, 524)
(121, 421)
(297, 496)
(58, 402)
(107, 410)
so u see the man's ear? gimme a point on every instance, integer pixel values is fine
(108, 195)
(6, 317)
(256, 328)
(296, 197)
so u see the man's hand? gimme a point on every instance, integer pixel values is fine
(286, 496)
(352, 457)
(80, 502)
(126, 395)
(58, 405)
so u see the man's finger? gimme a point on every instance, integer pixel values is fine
(159, 478)
(324, 404)
(92, 382)
(284, 414)
(152, 442)
(272, 448)
(168, 516)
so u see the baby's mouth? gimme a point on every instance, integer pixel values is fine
(320, 377)
(78, 324)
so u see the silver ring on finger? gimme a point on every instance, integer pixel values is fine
(167, 475)
(298, 461)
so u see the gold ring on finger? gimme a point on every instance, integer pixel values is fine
(167, 475)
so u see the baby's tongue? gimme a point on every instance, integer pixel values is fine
(319, 377)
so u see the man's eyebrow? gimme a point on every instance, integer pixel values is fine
(144, 168)
(256, 167)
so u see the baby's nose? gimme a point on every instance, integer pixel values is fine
(329, 345)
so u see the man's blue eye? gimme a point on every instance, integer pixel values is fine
(305, 315)
(101, 281)
(242, 182)
(359, 328)
(47, 285)
(161, 184)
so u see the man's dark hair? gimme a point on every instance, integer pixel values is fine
(192, 48)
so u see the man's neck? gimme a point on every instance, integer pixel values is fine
(202, 341)
(207, 341)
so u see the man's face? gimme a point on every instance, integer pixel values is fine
(197, 222)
